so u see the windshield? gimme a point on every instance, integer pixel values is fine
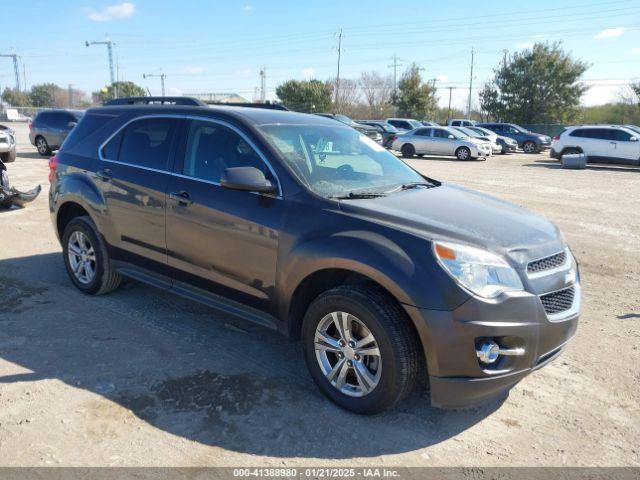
(468, 132)
(456, 133)
(338, 161)
(519, 128)
(483, 131)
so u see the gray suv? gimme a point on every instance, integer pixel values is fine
(304, 225)
(50, 128)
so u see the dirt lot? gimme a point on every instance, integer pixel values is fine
(141, 377)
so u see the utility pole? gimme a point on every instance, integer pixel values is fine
(16, 69)
(263, 84)
(504, 58)
(161, 75)
(70, 96)
(338, 74)
(24, 76)
(112, 76)
(449, 111)
(395, 66)
(470, 87)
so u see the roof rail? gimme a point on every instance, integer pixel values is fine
(155, 101)
(267, 105)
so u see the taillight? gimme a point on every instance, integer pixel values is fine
(30, 126)
(557, 137)
(53, 164)
(393, 138)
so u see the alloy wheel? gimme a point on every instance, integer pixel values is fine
(82, 257)
(529, 147)
(41, 145)
(348, 354)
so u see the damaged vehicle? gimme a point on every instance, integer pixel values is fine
(307, 226)
(7, 144)
(9, 196)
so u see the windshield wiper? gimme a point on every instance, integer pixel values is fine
(358, 195)
(409, 186)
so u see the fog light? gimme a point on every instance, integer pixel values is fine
(488, 352)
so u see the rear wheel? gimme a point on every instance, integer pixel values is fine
(86, 258)
(408, 150)
(463, 153)
(42, 146)
(360, 348)
(529, 147)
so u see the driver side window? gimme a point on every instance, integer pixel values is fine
(211, 148)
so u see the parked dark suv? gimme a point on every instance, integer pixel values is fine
(529, 142)
(49, 129)
(306, 226)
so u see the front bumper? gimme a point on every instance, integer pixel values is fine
(456, 377)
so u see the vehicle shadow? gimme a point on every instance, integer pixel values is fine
(194, 372)
(442, 159)
(556, 165)
(32, 154)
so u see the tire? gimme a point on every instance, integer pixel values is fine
(463, 153)
(398, 360)
(408, 150)
(529, 147)
(42, 146)
(104, 278)
(420, 155)
(8, 157)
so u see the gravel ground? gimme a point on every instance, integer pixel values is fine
(141, 377)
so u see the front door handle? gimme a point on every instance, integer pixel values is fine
(182, 197)
(104, 175)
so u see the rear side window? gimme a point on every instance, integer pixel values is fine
(455, 123)
(439, 133)
(597, 133)
(146, 143)
(620, 135)
(577, 133)
(423, 132)
(88, 124)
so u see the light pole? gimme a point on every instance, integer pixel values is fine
(161, 75)
(109, 45)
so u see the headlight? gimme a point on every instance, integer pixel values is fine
(479, 271)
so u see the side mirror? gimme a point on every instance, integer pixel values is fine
(72, 124)
(451, 137)
(248, 179)
(633, 139)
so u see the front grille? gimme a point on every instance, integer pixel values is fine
(557, 302)
(547, 263)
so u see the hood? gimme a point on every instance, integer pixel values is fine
(459, 214)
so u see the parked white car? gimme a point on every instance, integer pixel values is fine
(481, 137)
(440, 141)
(600, 143)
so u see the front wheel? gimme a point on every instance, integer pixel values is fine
(360, 348)
(529, 147)
(463, 153)
(86, 258)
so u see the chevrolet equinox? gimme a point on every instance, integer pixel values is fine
(307, 226)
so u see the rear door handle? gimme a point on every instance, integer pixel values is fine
(104, 175)
(182, 197)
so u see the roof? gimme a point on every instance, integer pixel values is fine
(256, 116)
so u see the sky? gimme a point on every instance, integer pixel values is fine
(221, 45)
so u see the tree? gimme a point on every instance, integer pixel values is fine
(415, 98)
(16, 98)
(119, 89)
(44, 95)
(537, 85)
(305, 96)
(635, 88)
(348, 97)
(377, 91)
